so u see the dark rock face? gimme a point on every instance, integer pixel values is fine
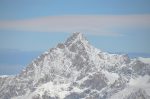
(96, 81)
(74, 96)
(140, 68)
(61, 46)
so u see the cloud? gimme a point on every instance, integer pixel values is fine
(96, 24)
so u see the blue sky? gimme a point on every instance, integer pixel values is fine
(27, 28)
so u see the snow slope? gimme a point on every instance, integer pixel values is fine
(145, 60)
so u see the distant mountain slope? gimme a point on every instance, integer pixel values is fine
(145, 60)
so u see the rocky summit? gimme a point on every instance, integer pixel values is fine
(77, 70)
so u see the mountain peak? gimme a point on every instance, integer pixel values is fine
(76, 36)
(78, 70)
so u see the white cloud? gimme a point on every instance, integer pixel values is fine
(99, 24)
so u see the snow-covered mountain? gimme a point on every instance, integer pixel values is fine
(144, 60)
(76, 70)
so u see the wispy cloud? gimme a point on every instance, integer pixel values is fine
(100, 24)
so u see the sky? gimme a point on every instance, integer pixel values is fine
(30, 27)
